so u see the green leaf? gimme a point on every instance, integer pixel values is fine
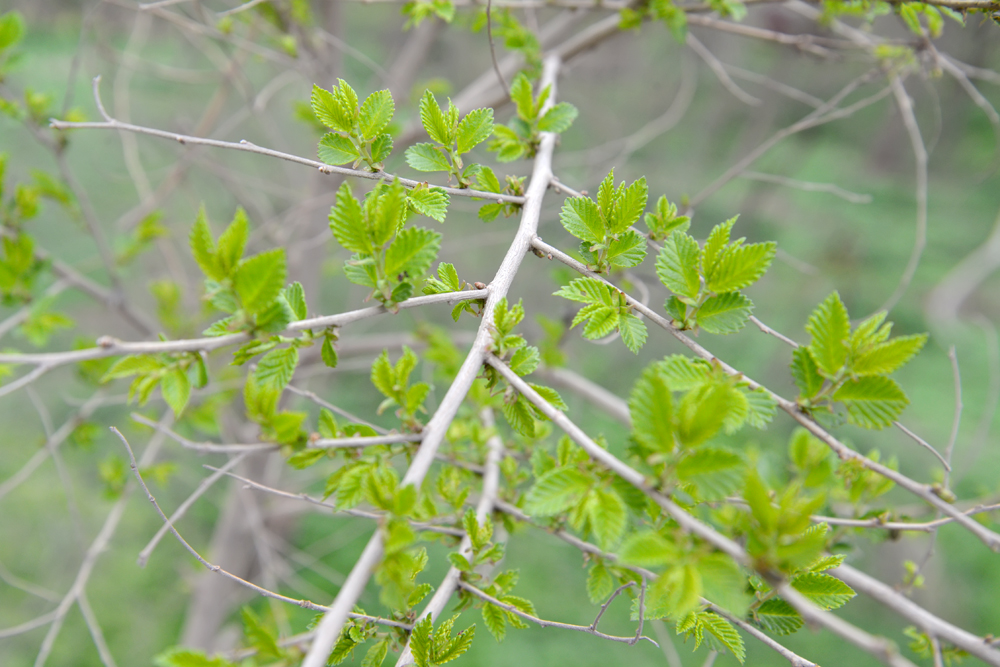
(420, 639)
(724, 631)
(427, 157)
(347, 222)
(259, 279)
(376, 654)
(677, 265)
(608, 516)
(448, 276)
(412, 252)
(382, 375)
(823, 590)
(337, 149)
(714, 473)
(756, 494)
(724, 314)
(556, 491)
(295, 295)
(474, 129)
(887, 357)
(520, 94)
(375, 113)
(275, 369)
(550, 395)
(716, 244)
(330, 111)
(456, 647)
(432, 202)
(380, 149)
(738, 267)
(558, 118)
(651, 407)
(433, 120)
(684, 373)
(176, 389)
(11, 29)
(777, 616)
(581, 218)
(182, 657)
(829, 327)
(495, 619)
(806, 373)
(232, 243)
(872, 402)
(136, 364)
(524, 360)
(629, 205)
(647, 549)
(704, 410)
(203, 247)
(600, 583)
(627, 250)
(633, 332)
(761, 407)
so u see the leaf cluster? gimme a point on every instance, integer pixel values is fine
(850, 366)
(447, 281)
(521, 136)
(358, 133)
(389, 258)
(706, 280)
(452, 138)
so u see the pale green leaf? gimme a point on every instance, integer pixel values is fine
(336, 149)
(608, 516)
(581, 218)
(887, 357)
(432, 202)
(474, 129)
(375, 113)
(275, 369)
(651, 406)
(738, 267)
(600, 583)
(829, 327)
(427, 157)
(677, 265)
(805, 372)
(412, 252)
(823, 590)
(647, 549)
(633, 332)
(434, 121)
(714, 473)
(259, 279)
(777, 616)
(295, 295)
(724, 631)
(558, 118)
(330, 111)
(203, 247)
(629, 206)
(627, 250)
(872, 402)
(136, 364)
(725, 313)
(520, 94)
(556, 491)
(176, 389)
(524, 360)
(495, 619)
(683, 373)
(232, 243)
(716, 244)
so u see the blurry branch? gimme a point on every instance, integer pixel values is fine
(827, 113)
(719, 70)
(946, 299)
(112, 124)
(589, 629)
(108, 346)
(305, 604)
(808, 186)
(879, 647)
(924, 491)
(330, 627)
(182, 509)
(814, 44)
(905, 104)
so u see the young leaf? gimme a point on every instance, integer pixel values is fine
(558, 118)
(627, 250)
(203, 247)
(176, 390)
(608, 516)
(887, 357)
(259, 279)
(347, 222)
(433, 120)
(581, 218)
(295, 296)
(520, 94)
(633, 332)
(375, 113)
(232, 243)
(805, 372)
(740, 266)
(651, 406)
(556, 491)
(412, 253)
(724, 314)
(647, 549)
(825, 591)
(777, 616)
(872, 402)
(677, 265)
(495, 619)
(432, 202)
(829, 328)
(275, 369)
(337, 149)
(329, 110)
(427, 157)
(724, 631)
(475, 128)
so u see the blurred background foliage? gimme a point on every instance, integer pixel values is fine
(857, 241)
